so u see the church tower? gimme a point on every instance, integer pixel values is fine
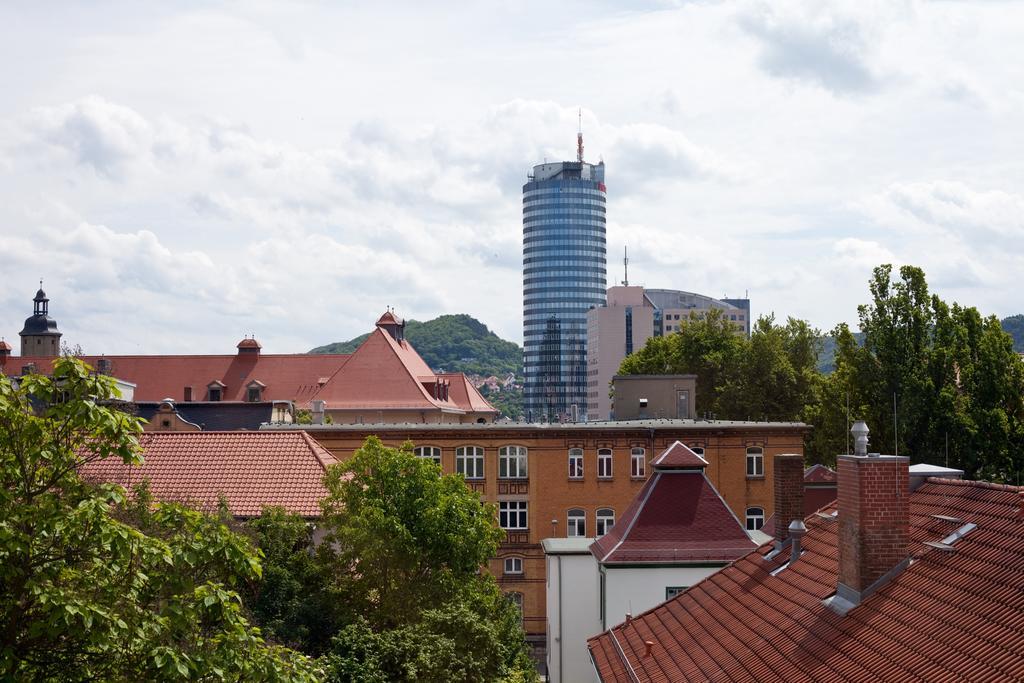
(40, 337)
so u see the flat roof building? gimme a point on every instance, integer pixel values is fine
(631, 316)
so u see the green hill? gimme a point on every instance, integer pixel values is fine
(452, 343)
(1014, 326)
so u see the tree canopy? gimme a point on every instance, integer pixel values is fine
(87, 596)
(395, 590)
(770, 376)
(936, 381)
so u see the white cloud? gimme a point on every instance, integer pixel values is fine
(288, 171)
(830, 44)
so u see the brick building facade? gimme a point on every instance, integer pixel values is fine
(555, 480)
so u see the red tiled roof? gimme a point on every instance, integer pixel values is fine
(817, 497)
(677, 516)
(820, 474)
(287, 377)
(678, 455)
(252, 470)
(949, 616)
(387, 374)
(389, 318)
(464, 394)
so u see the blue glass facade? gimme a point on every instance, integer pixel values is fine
(564, 275)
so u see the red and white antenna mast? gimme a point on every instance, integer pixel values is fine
(579, 139)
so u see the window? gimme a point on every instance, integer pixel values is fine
(604, 463)
(605, 520)
(755, 518)
(214, 393)
(513, 565)
(469, 461)
(512, 462)
(637, 463)
(575, 463)
(577, 523)
(214, 390)
(253, 395)
(429, 452)
(699, 450)
(512, 514)
(673, 591)
(755, 461)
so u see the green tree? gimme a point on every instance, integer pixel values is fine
(290, 603)
(934, 381)
(707, 347)
(770, 376)
(403, 552)
(87, 596)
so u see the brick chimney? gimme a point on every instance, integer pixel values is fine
(788, 473)
(874, 518)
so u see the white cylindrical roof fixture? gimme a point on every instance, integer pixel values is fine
(797, 529)
(860, 437)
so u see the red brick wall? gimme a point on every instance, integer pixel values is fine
(789, 492)
(874, 514)
(550, 493)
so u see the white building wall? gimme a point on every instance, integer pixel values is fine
(573, 613)
(632, 590)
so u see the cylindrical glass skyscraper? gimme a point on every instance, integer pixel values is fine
(564, 275)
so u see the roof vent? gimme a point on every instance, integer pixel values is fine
(860, 437)
(797, 529)
(946, 544)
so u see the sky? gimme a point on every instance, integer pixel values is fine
(181, 175)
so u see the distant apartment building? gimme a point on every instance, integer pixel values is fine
(564, 275)
(631, 316)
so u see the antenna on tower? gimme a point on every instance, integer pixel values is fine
(625, 265)
(579, 138)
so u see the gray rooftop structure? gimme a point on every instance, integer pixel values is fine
(619, 425)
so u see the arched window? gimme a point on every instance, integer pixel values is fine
(575, 463)
(429, 452)
(605, 520)
(469, 461)
(577, 525)
(604, 463)
(513, 565)
(637, 463)
(755, 518)
(512, 462)
(755, 461)
(698, 449)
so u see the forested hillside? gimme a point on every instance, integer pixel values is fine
(452, 343)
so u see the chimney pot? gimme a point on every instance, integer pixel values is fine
(860, 433)
(797, 529)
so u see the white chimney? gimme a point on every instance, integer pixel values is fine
(318, 406)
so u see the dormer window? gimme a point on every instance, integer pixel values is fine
(254, 391)
(215, 391)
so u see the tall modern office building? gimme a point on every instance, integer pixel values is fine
(564, 275)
